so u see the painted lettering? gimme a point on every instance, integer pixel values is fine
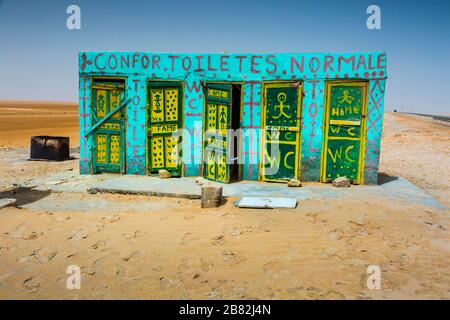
(299, 66)
(173, 58)
(96, 62)
(240, 58)
(270, 60)
(254, 64)
(145, 61)
(381, 61)
(328, 63)
(186, 63)
(224, 63)
(125, 61)
(155, 62)
(199, 63)
(349, 61)
(314, 64)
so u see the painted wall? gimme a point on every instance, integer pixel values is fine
(314, 69)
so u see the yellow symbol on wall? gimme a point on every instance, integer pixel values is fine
(101, 148)
(290, 136)
(115, 98)
(171, 152)
(157, 152)
(115, 149)
(171, 96)
(281, 97)
(157, 105)
(211, 165)
(351, 131)
(222, 118)
(158, 100)
(222, 167)
(346, 97)
(101, 104)
(338, 154)
(286, 165)
(346, 154)
(273, 161)
(273, 135)
(336, 129)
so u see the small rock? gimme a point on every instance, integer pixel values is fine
(200, 181)
(164, 174)
(8, 202)
(294, 183)
(341, 182)
(205, 182)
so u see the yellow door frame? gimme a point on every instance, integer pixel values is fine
(280, 84)
(362, 149)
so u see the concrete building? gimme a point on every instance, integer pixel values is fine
(228, 117)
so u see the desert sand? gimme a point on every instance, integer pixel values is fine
(20, 120)
(176, 250)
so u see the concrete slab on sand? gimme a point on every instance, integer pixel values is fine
(7, 202)
(397, 188)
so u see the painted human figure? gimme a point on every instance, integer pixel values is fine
(281, 97)
(158, 101)
(222, 118)
(101, 103)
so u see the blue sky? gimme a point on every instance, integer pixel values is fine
(39, 54)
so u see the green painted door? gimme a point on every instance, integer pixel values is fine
(108, 155)
(163, 121)
(344, 132)
(217, 121)
(281, 131)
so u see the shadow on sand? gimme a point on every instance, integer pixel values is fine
(24, 196)
(385, 178)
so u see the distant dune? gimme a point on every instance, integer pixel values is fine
(20, 120)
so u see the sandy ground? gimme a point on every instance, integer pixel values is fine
(418, 150)
(320, 250)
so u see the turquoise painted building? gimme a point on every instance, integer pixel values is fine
(229, 117)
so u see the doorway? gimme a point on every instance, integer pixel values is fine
(164, 118)
(281, 124)
(221, 137)
(345, 110)
(108, 119)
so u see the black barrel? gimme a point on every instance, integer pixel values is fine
(49, 148)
